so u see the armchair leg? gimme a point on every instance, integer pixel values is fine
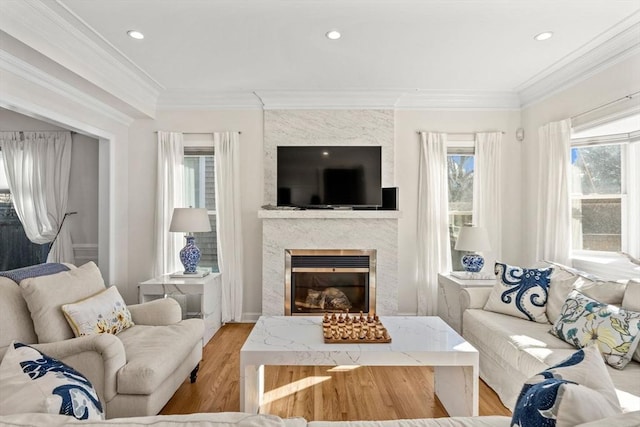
(194, 373)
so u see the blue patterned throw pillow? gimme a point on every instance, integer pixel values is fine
(520, 292)
(34, 382)
(575, 391)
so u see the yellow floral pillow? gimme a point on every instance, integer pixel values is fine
(102, 313)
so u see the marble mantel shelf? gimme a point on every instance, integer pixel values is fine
(327, 214)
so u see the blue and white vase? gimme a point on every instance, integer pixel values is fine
(472, 263)
(190, 256)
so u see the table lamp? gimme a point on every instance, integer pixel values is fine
(473, 239)
(190, 220)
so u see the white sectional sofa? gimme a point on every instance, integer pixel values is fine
(513, 350)
(238, 419)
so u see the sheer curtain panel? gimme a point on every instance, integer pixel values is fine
(633, 198)
(487, 193)
(229, 222)
(37, 166)
(434, 251)
(553, 226)
(169, 195)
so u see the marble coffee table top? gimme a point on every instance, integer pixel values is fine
(298, 340)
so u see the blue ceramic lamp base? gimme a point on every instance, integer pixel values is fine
(472, 263)
(190, 256)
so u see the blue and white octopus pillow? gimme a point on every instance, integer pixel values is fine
(520, 292)
(34, 382)
(575, 391)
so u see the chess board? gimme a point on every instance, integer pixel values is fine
(347, 329)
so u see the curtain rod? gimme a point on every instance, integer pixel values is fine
(73, 132)
(195, 133)
(615, 101)
(458, 133)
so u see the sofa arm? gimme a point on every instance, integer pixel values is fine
(160, 312)
(97, 357)
(473, 298)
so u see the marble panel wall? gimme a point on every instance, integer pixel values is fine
(326, 127)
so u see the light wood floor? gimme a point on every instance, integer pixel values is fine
(315, 392)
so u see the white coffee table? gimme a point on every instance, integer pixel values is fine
(416, 341)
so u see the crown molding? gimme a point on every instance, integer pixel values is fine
(572, 70)
(28, 72)
(328, 100)
(37, 25)
(190, 99)
(431, 100)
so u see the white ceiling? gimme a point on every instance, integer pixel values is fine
(406, 46)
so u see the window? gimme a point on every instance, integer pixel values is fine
(599, 184)
(199, 192)
(597, 197)
(460, 167)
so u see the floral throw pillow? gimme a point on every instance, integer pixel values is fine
(575, 391)
(103, 313)
(520, 292)
(34, 382)
(585, 321)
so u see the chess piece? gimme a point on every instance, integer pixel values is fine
(386, 335)
(370, 335)
(354, 334)
(378, 334)
(361, 316)
(334, 320)
(376, 319)
(362, 335)
(345, 334)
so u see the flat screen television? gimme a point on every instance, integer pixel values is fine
(329, 176)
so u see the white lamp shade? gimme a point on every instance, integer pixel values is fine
(473, 239)
(190, 220)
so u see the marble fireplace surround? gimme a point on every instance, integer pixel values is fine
(327, 229)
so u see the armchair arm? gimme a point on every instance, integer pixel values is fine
(473, 298)
(160, 312)
(98, 357)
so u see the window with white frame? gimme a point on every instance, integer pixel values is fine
(599, 184)
(460, 168)
(199, 192)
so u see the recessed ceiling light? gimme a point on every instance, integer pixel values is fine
(333, 35)
(135, 34)
(543, 36)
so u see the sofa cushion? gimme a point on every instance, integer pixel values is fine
(45, 296)
(520, 292)
(576, 390)
(505, 338)
(14, 316)
(585, 321)
(102, 313)
(34, 382)
(153, 352)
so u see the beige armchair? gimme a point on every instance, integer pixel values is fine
(135, 372)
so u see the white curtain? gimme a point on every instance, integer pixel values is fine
(487, 193)
(434, 251)
(37, 165)
(633, 198)
(169, 195)
(229, 222)
(553, 242)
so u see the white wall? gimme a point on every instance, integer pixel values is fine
(407, 124)
(615, 82)
(83, 181)
(142, 168)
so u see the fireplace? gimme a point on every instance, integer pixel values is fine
(336, 280)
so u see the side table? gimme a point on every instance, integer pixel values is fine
(203, 298)
(449, 288)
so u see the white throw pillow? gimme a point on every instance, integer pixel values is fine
(631, 301)
(577, 390)
(585, 321)
(34, 382)
(102, 313)
(520, 292)
(561, 283)
(46, 294)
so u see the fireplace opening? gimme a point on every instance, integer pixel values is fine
(321, 281)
